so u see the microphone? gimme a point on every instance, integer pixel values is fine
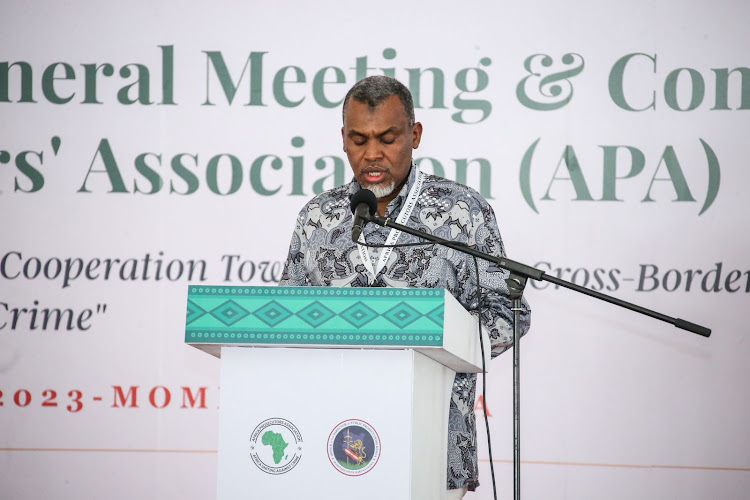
(363, 205)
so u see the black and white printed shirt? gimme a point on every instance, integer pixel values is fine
(322, 254)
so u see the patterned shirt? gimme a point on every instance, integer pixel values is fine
(322, 254)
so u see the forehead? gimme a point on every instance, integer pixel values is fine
(361, 116)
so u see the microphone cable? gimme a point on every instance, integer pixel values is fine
(484, 379)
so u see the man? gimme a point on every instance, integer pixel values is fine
(379, 134)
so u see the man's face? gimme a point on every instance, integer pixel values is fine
(378, 142)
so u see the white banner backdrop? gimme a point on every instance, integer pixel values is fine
(144, 147)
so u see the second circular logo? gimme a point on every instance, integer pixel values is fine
(353, 447)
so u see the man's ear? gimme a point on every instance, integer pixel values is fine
(416, 136)
(343, 140)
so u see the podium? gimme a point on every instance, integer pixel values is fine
(333, 393)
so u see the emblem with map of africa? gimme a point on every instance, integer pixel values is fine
(353, 447)
(276, 446)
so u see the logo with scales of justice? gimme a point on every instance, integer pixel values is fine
(276, 446)
(353, 447)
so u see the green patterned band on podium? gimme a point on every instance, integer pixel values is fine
(314, 315)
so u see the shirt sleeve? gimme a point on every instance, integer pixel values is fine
(295, 272)
(494, 312)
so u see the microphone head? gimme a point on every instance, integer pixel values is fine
(364, 196)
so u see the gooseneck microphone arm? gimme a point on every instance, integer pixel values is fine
(361, 217)
(524, 271)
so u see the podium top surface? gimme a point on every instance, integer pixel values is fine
(420, 319)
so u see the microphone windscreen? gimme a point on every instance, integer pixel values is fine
(364, 196)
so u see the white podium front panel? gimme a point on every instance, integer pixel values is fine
(332, 424)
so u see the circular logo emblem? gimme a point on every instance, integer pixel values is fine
(353, 447)
(276, 446)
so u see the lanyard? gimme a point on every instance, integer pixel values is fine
(411, 202)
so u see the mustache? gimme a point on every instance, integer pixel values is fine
(375, 168)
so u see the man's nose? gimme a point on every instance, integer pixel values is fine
(373, 151)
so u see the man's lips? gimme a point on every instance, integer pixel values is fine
(374, 176)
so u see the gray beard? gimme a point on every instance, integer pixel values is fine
(381, 191)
